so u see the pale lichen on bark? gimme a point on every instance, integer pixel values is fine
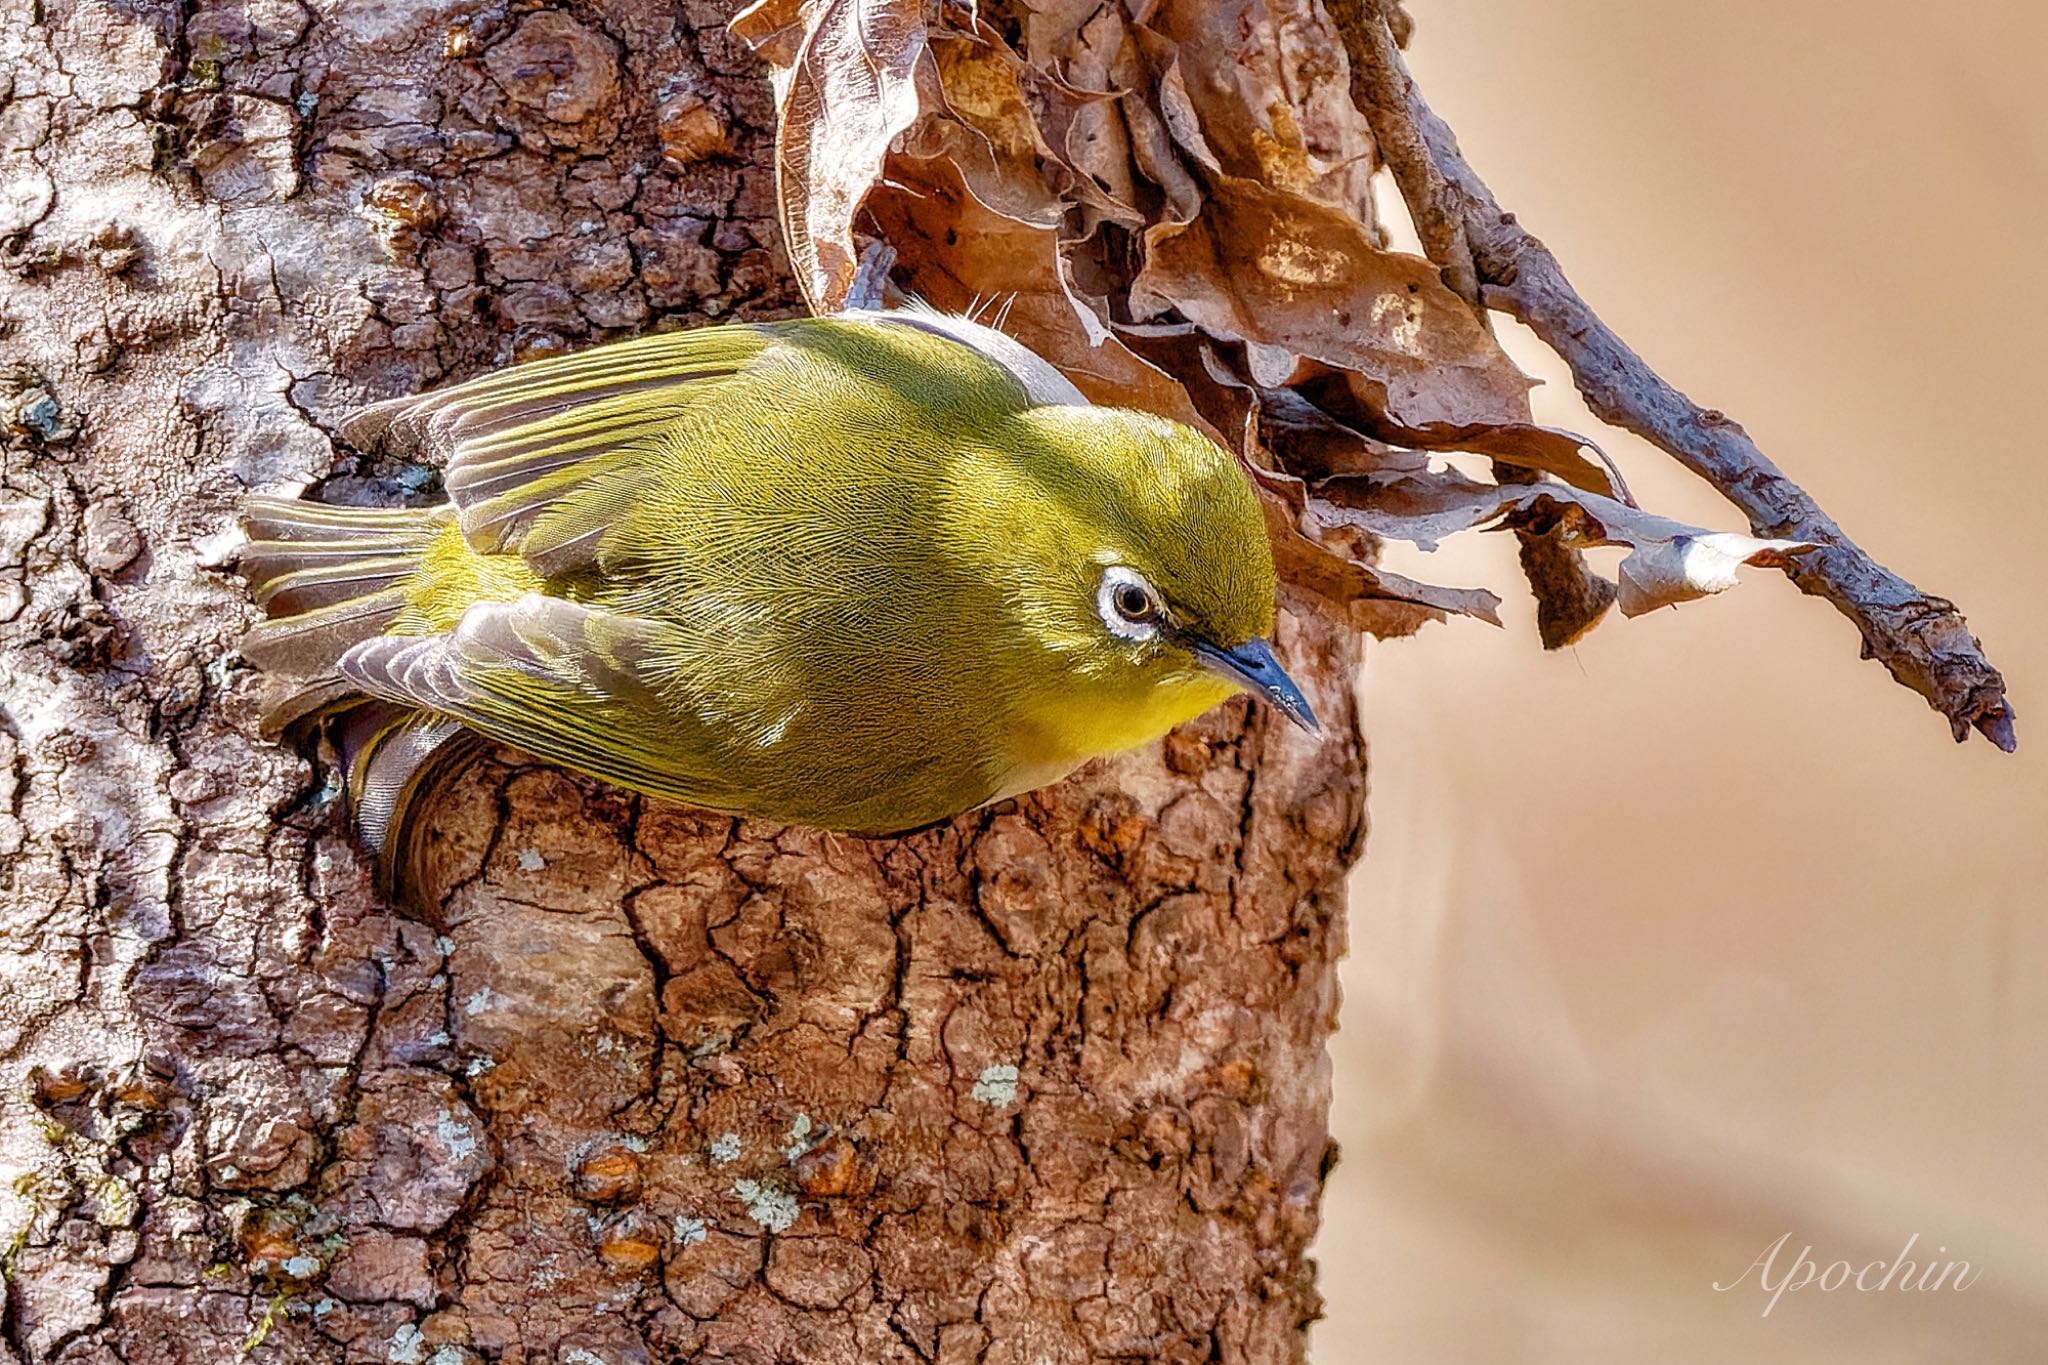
(247, 1106)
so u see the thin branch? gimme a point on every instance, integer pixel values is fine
(1921, 640)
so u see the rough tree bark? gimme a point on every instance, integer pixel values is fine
(1045, 1084)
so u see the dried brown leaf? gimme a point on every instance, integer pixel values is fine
(1302, 437)
(1296, 279)
(1321, 554)
(1663, 573)
(1669, 561)
(1423, 508)
(1051, 29)
(1086, 43)
(1001, 126)
(1260, 89)
(1152, 142)
(1553, 450)
(848, 79)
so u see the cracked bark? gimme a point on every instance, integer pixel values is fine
(1046, 1083)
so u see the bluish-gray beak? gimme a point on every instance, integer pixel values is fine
(1253, 666)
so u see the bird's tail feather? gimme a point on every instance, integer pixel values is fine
(393, 756)
(327, 579)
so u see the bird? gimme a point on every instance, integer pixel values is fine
(862, 572)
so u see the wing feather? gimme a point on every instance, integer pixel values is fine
(521, 441)
(306, 645)
(514, 442)
(564, 681)
(325, 584)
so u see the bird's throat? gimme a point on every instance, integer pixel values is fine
(1073, 727)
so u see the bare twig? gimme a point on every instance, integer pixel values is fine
(1921, 640)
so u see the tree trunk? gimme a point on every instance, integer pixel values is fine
(1043, 1084)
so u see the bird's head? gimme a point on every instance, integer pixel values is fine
(1150, 577)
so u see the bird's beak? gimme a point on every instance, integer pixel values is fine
(1252, 666)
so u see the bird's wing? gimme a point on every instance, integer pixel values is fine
(519, 442)
(511, 443)
(563, 681)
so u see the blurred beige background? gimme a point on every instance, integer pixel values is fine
(1704, 932)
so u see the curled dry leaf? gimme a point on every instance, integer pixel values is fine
(1553, 450)
(1329, 558)
(990, 137)
(1337, 563)
(1256, 89)
(848, 78)
(1665, 573)
(1004, 124)
(1423, 508)
(1668, 562)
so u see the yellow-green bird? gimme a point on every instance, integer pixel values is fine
(859, 572)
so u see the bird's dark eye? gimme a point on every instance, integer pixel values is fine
(1130, 607)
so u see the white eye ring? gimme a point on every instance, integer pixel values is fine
(1128, 605)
